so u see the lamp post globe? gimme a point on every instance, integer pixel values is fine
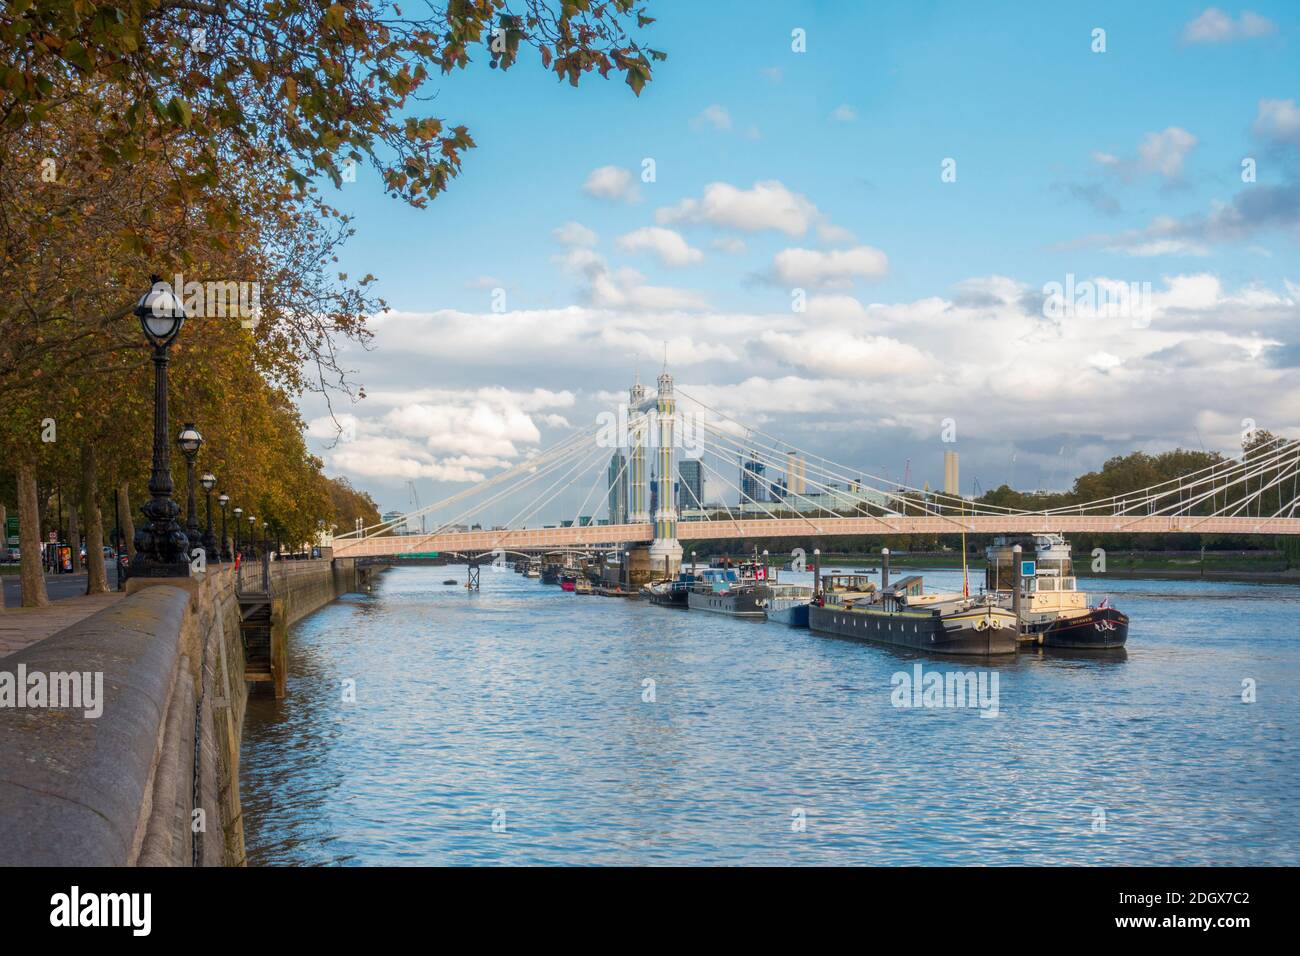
(160, 544)
(209, 481)
(223, 499)
(239, 513)
(189, 441)
(252, 542)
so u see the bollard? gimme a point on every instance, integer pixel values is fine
(884, 569)
(817, 573)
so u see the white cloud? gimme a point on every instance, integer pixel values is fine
(484, 282)
(1278, 120)
(574, 234)
(767, 205)
(1215, 26)
(836, 266)
(773, 73)
(844, 113)
(1162, 153)
(669, 246)
(730, 245)
(613, 183)
(714, 116)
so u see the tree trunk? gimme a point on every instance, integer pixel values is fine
(96, 575)
(74, 536)
(124, 516)
(31, 575)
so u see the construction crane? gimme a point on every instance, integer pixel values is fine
(415, 503)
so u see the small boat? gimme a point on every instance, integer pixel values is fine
(568, 581)
(788, 604)
(450, 581)
(734, 591)
(551, 574)
(582, 586)
(672, 593)
(533, 571)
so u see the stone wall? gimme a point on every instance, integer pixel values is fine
(119, 789)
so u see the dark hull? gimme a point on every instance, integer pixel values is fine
(550, 576)
(673, 598)
(1100, 628)
(749, 602)
(911, 630)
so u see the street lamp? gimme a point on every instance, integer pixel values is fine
(160, 544)
(209, 481)
(189, 442)
(252, 544)
(223, 499)
(238, 514)
(266, 541)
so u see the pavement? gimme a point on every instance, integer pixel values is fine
(59, 587)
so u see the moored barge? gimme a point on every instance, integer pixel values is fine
(904, 615)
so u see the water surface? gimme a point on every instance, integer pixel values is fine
(523, 705)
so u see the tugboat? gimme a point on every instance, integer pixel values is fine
(568, 581)
(1054, 613)
(850, 606)
(740, 592)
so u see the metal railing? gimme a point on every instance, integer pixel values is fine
(254, 576)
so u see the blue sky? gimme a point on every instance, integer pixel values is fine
(1114, 165)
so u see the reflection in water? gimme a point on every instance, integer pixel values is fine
(527, 703)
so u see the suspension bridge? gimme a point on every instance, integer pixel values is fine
(627, 462)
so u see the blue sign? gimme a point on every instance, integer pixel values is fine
(1027, 569)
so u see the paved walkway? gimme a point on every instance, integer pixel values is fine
(23, 626)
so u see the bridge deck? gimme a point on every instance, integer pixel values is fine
(595, 535)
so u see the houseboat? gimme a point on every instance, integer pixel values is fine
(903, 614)
(788, 604)
(728, 590)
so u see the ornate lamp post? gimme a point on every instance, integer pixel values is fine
(266, 539)
(252, 544)
(160, 544)
(189, 441)
(223, 499)
(239, 513)
(209, 481)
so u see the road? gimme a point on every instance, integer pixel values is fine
(57, 586)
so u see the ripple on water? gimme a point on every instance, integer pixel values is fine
(527, 701)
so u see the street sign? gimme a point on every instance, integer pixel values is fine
(1028, 569)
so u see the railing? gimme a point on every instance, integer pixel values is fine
(255, 579)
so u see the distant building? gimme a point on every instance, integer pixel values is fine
(690, 493)
(796, 474)
(400, 526)
(753, 486)
(618, 488)
(951, 482)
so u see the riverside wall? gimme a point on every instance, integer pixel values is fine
(119, 789)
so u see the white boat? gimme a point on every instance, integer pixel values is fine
(788, 604)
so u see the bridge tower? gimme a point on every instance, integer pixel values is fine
(638, 491)
(665, 551)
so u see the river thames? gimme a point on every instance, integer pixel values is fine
(518, 725)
